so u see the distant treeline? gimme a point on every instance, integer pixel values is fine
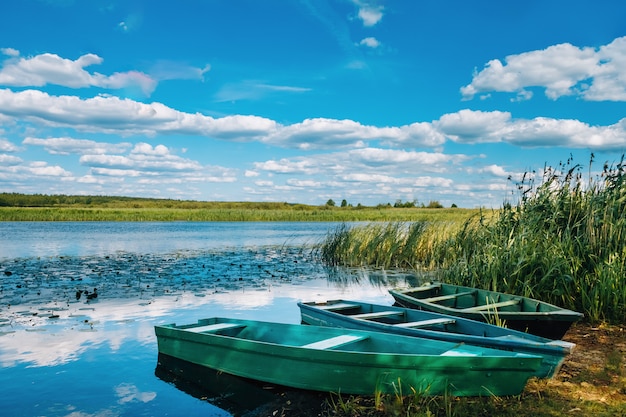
(101, 201)
(41, 207)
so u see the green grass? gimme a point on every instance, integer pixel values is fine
(597, 392)
(540, 399)
(227, 212)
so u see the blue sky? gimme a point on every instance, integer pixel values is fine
(305, 101)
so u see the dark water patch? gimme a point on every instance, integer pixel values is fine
(238, 396)
(241, 397)
(57, 283)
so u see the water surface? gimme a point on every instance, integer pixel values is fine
(64, 354)
(100, 238)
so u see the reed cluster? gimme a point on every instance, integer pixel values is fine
(563, 241)
(387, 245)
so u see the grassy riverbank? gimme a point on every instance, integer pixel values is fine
(592, 382)
(19, 207)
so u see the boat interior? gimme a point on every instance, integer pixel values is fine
(324, 338)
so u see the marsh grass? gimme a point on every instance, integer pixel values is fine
(563, 242)
(402, 245)
(224, 212)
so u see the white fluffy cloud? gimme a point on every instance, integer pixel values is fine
(496, 171)
(369, 12)
(321, 133)
(143, 157)
(468, 126)
(126, 117)
(113, 115)
(67, 146)
(471, 127)
(7, 160)
(362, 161)
(42, 169)
(407, 160)
(562, 70)
(12, 168)
(9, 51)
(7, 146)
(152, 165)
(50, 68)
(370, 42)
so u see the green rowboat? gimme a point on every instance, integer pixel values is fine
(346, 361)
(515, 312)
(420, 323)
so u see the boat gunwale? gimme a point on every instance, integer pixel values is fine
(556, 311)
(191, 336)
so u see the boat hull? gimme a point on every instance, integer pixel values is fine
(383, 364)
(353, 315)
(519, 313)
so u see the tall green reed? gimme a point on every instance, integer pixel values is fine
(381, 245)
(563, 241)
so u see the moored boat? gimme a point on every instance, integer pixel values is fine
(345, 360)
(515, 312)
(419, 323)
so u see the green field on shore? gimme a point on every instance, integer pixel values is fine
(21, 207)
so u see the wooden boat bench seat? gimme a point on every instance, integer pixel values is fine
(422, 288)
(447, 297)
(336, 306)
(567, 346)
(459, 351)
(366, 316)
(491, 306)
(426, 323)
(333, 342)
(214, 327)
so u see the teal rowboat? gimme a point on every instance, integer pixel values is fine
(426, 324)
(346, 361)
(516, 312)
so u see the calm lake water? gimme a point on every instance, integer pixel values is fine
(64, 354)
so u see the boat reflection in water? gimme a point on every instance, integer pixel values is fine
(238, 396)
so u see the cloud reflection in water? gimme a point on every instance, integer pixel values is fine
(128, 392)
(41, 341)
